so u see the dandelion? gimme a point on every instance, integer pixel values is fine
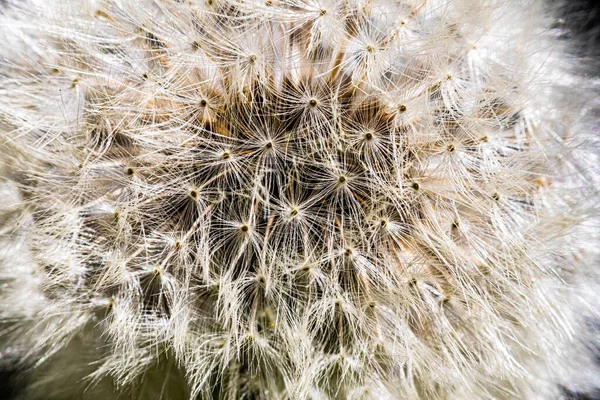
(294, 199)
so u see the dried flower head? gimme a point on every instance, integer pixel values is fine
(294, 199)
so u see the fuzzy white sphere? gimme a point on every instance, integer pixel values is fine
(294, 199)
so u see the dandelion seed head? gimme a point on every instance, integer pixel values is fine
(297, 199)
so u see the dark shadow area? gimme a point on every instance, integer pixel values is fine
(8, 384)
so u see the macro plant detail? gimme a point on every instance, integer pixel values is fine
(295, 199)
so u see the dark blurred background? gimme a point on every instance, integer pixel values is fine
(582, 19)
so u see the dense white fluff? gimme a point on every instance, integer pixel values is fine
(294, 199)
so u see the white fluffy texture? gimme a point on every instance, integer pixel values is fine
(299, 198)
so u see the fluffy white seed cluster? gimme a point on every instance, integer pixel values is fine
(296, 199)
